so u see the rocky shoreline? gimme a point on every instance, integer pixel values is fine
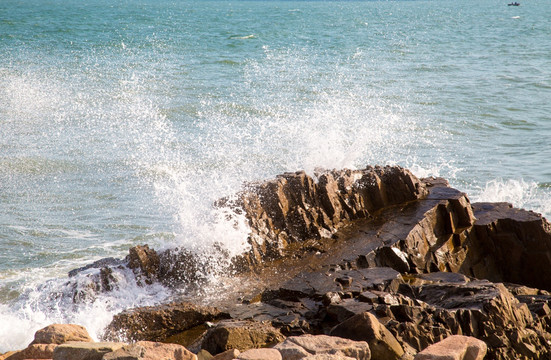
(365, 264)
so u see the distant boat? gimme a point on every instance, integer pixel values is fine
(514, 4)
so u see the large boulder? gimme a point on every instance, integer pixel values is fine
(366, 327)
(509, 245)
(61, 333)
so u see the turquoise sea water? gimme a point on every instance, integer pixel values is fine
(121, 122)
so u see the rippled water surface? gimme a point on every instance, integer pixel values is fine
(121, 122)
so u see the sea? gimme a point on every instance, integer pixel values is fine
(123, 121)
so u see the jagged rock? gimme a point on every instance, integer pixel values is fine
(345, 238)
(475, 308)
(101, 263)
(366, 327)
(145, 263)
(511, 245)
(241, 335)
(455, 347)
(294, 208)
(260, 354)
(346, 309)
(157, 323)
(179, 266)
(85, 350)
(146, 350)
(34, 351)
(299, 347)
(61, 333)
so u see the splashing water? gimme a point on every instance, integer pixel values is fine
(520, 193)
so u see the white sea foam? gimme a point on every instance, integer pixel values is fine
(520, 193)
(44, 303)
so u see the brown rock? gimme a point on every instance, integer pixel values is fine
(155, 351)
(327, 357)
(34, 351)
(145, 262)
(298, 347)
(260, 354)
(511, 245)
(294, 208)
(7, 354)
(366, 327)
(127, 352)
(455, 347)
(204, 355)
(242, 335)
(157, 323)
(145, 350)
(85, 350)
(61, 333)
(227, 355)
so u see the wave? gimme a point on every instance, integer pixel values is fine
(522, 194)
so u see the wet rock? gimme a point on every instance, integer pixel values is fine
(455, 347)
(366, 327)
(102, 263)
(294, 208)
(144, 262)
(157, 323)
(85, 350)
(299, 347)
(241, 335)
(61, 333)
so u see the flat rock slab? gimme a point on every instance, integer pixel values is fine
(455, 347)
(157, 323)
(85, 350)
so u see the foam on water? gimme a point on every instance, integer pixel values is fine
(520, 193)
(42, 304)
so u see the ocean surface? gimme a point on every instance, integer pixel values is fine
(123, 121)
